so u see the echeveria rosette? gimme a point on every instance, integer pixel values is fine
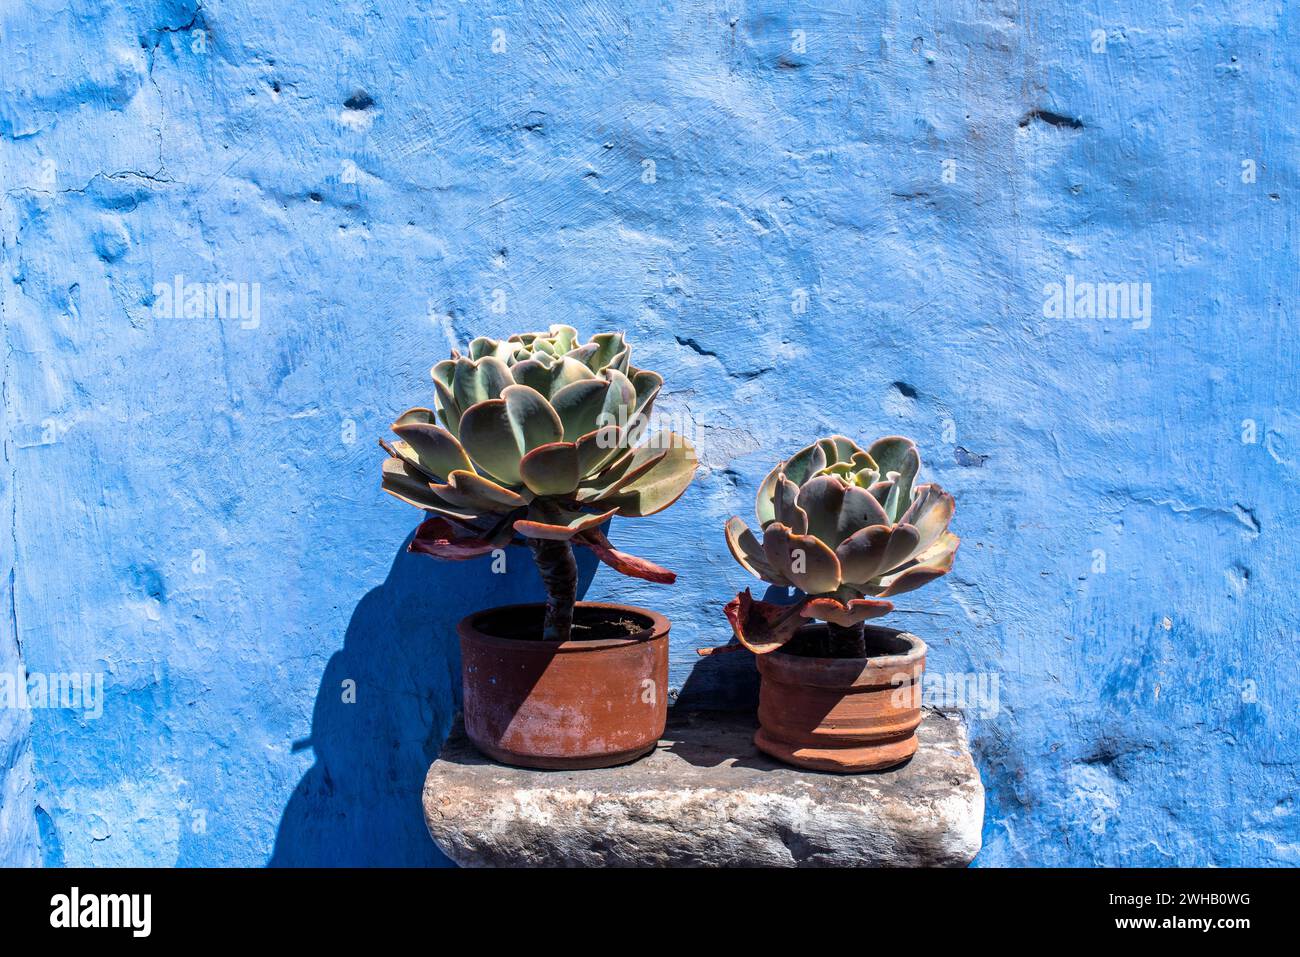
(534, 438)
(847, 528)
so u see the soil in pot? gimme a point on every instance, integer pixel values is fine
(840, 714)
(597, 700)
(590, 622)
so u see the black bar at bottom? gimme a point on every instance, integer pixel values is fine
(439, 907)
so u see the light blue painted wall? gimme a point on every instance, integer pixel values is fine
(194, 502)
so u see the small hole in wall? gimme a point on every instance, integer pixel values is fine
(968, 459)
(360, 100)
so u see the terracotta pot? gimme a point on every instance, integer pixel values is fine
(843, 714)
(575, 704)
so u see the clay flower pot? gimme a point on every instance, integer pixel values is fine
(587, 703)
(842, 714)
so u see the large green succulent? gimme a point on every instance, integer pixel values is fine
(532, 439)
(846, 527)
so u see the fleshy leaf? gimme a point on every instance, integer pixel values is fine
(620, 400)
(532, 420)
(564, 337)
(608, 345)
(564, 372)
(918, 575)
(805, 560)
(862, 554)
(865, 470)
(805, 463)
(880, 492)
(596, 450)
(404, 482)
(858, 510)
(444, 372)
(622, 562)
(436, 450)
(579, 405)
(820, 499)
(748, 551)
(846, 614)
(647, 385)
(486, 434)
(903, 542)
(551, 469)
(763, 506)
(930, 512)
(416, 416)
(839, 448)
(662, 484)
(441, 539)
(483, 346)
(622, 361)
(894, 453)
(445, 400)
(631, 466)
(532, 373)
(469, 490)
(944, 545)
(559, 524)
(785, 501)
(476, 382)
(761, 626)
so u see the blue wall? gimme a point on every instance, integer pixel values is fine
(195, 502)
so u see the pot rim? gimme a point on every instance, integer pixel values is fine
(876, 671)
(467, 629)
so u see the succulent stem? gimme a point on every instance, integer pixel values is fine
(850, 642)
(560, 576)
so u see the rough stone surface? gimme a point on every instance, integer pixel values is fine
(707, 797)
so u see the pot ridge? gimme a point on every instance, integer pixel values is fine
(842, 714)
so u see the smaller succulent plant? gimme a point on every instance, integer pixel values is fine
(536, 440)
(848, 528)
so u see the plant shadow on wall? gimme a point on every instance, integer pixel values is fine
(359, 803)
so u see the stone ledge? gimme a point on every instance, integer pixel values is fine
(708, 798)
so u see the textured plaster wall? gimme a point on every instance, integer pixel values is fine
(191, 505)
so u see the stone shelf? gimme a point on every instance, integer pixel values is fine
(708, 798)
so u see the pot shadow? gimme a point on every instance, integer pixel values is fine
(726, 685)
(722, 681)
(385, 705)
(710, 750)
(728, 680)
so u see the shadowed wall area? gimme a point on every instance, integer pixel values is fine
(385, 704)
(1054, 243)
